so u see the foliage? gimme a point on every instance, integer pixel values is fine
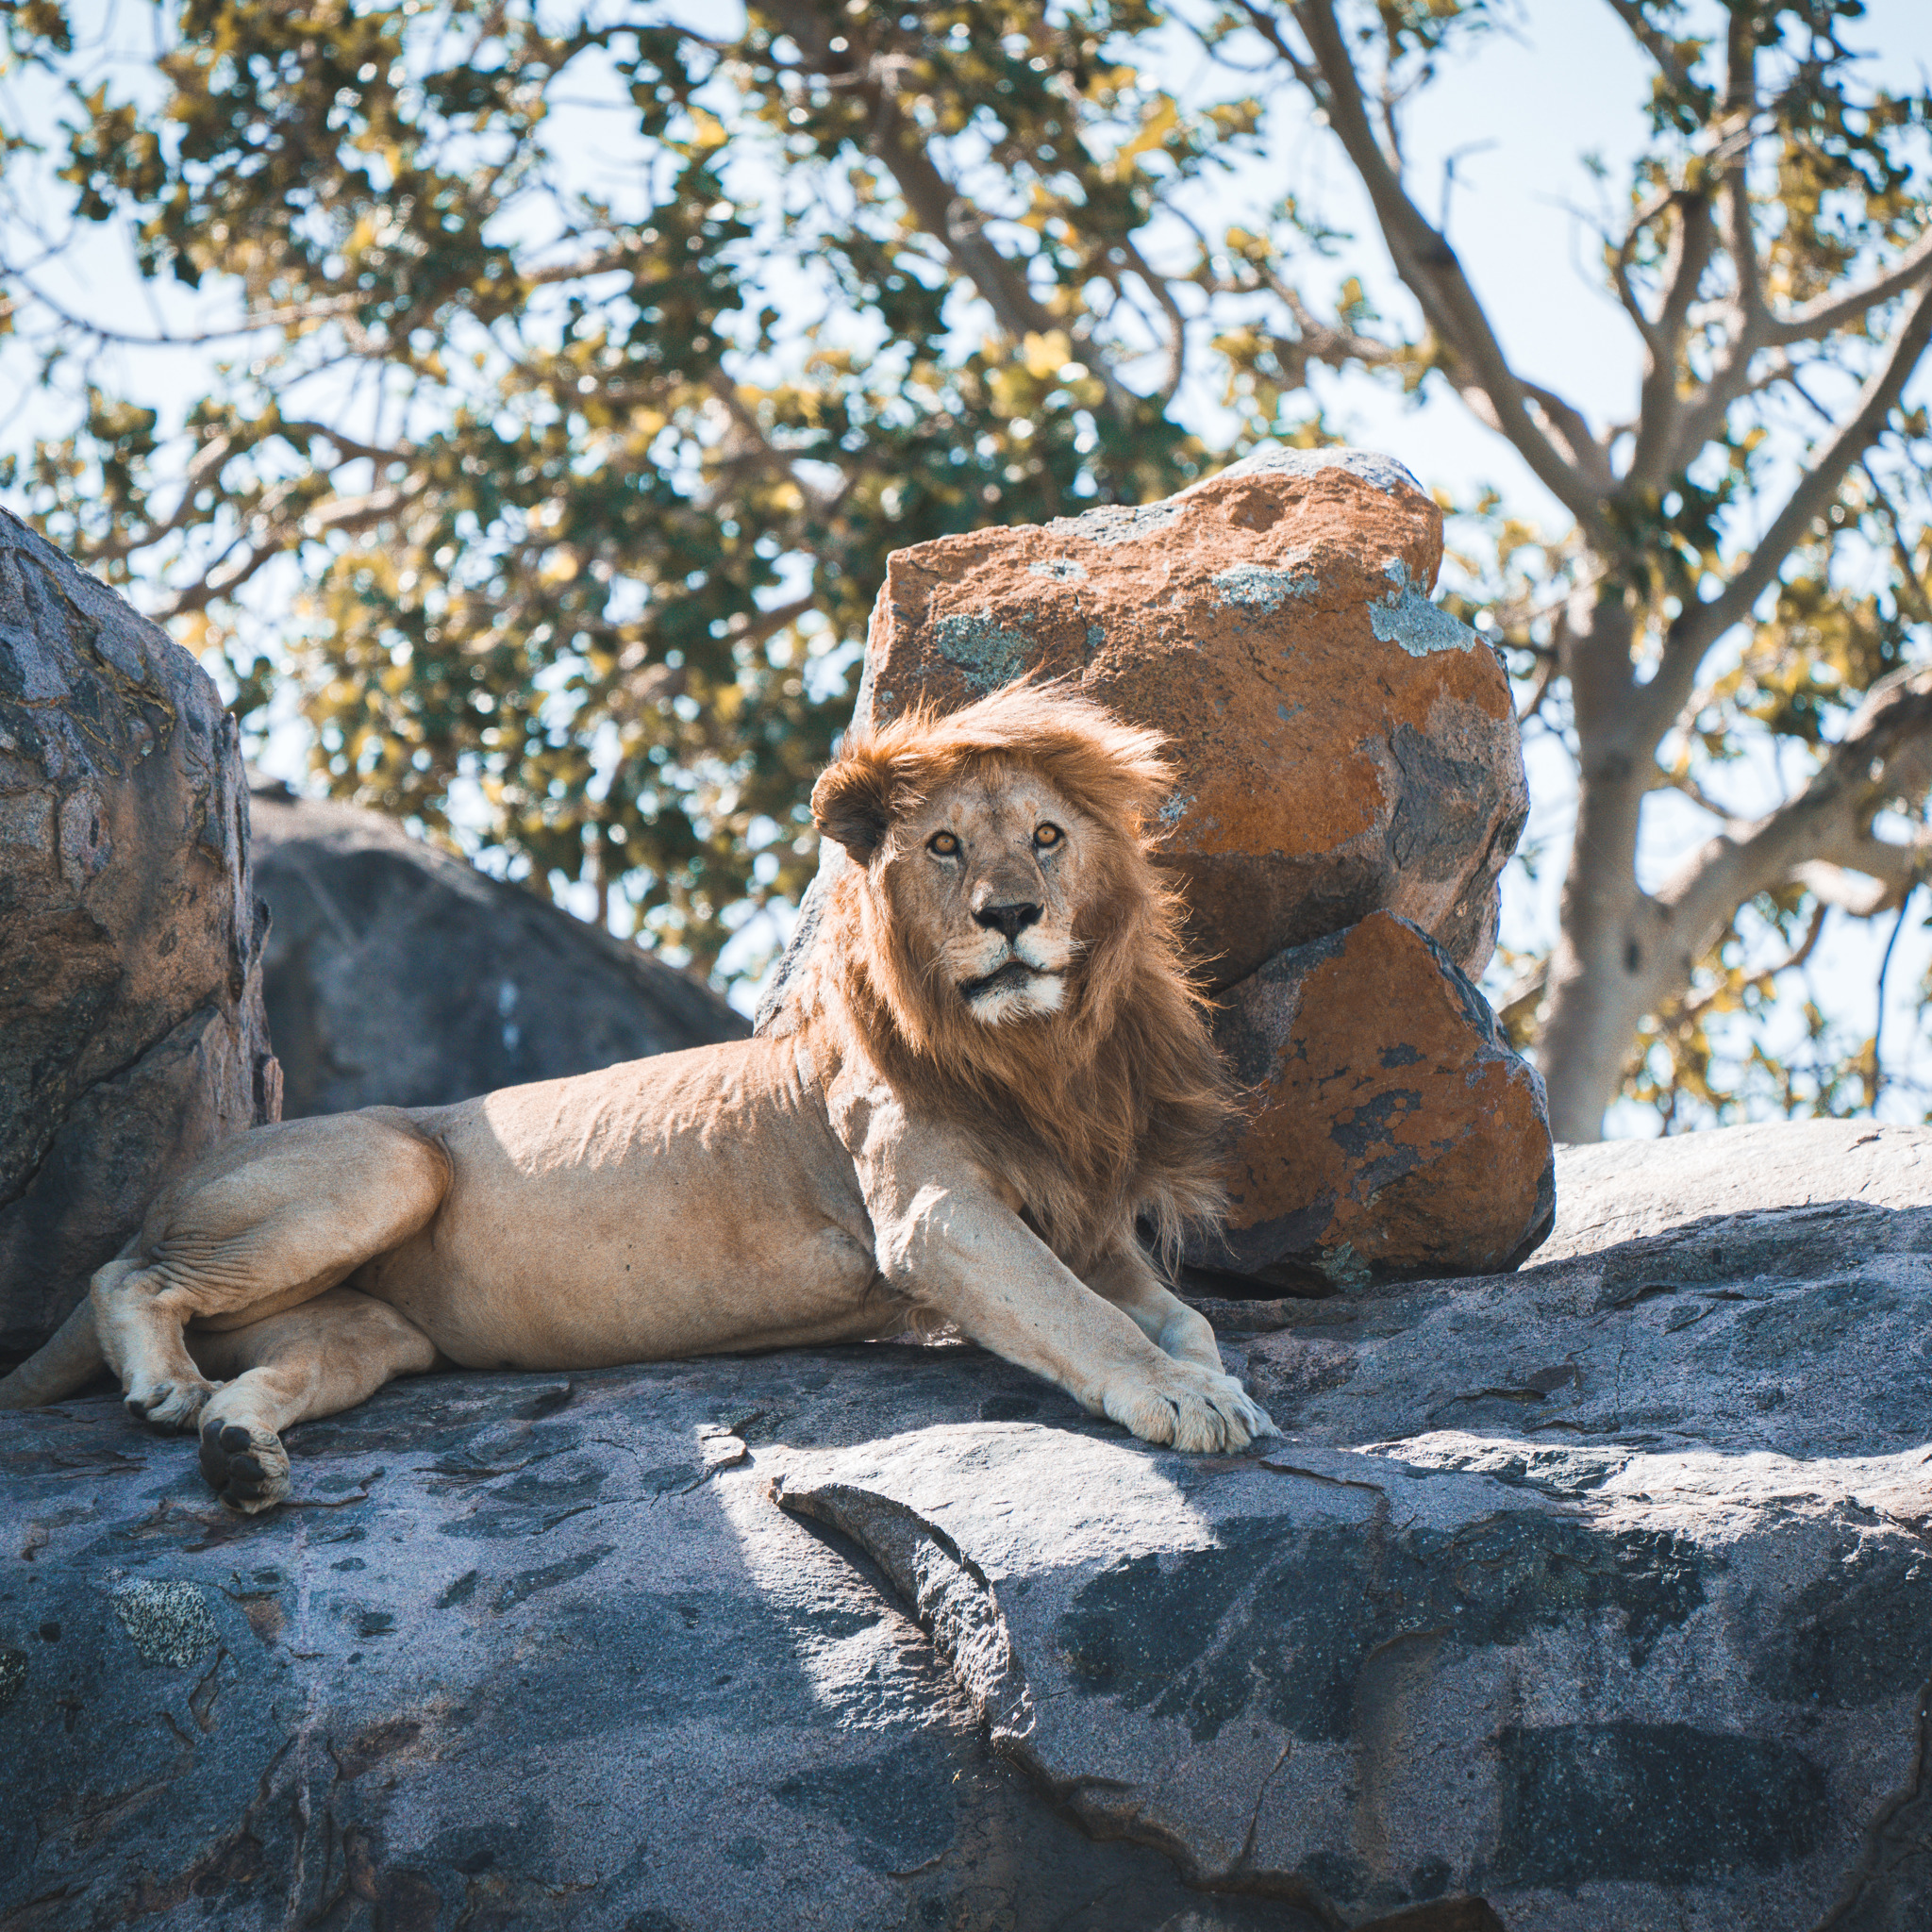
(580, 510)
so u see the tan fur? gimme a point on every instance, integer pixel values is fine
(994, 1068)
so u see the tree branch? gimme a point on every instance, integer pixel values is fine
(933, 205)
(1581, 447)
(1876, 874)
(1819, 318)
(1641, 217)
(351, 449)
(1660, 409)
(1652, 42)
(1176, 323)
(1700, 626)
(1429, 267)
(1885, 754)
(1695, 1009)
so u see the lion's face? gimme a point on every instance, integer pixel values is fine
(1002, 950)
(987, 875)
(1007, 903)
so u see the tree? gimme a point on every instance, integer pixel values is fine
(573, 512)
(584, 480)
(1777, 233)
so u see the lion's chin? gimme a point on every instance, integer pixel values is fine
(1016, 991)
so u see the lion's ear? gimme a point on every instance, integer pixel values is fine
(852, 805)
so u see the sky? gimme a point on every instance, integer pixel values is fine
(1499, 142)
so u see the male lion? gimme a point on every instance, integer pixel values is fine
(993, 1067)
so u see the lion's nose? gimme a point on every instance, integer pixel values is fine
(1012, 921)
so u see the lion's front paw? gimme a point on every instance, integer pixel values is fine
(1190, 1406)
(246, 1465)
(170, 1406)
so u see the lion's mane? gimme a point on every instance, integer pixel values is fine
(1112, 1113)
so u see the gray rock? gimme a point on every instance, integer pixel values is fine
(1592, 1599)
(131, 1028)
(396, 975)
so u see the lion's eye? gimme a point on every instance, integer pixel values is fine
(943, 845)
(1047, 837)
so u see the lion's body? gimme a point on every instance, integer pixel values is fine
(692, 1204)
(993, 1067)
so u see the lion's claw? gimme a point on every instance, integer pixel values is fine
(170, 1406)
(1190, 1407)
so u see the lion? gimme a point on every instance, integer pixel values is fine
(992, 1071)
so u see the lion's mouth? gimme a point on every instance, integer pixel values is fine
(1015, 973)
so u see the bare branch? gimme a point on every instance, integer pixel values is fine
(1652, 42)
(1877, 881)
(352, 450)
(220, 583)
(746, 629)
(1694, 1010)
(1177, 322)
(353, 512)
(1641, 217)
(1684, 782)
(754, 450)
(1885, 754)
(933, 205)
(1429, 267)
(1702, 624)
(1660, 409)
(1910, 591)
(1517, 1009)
(1578, 443)
(290, 317)
(1540, 688)
(1819, 318)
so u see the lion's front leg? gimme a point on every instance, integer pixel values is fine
(963, 1252)
(1127, 1279)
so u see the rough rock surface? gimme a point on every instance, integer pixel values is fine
(396, 975)
(1394, 1132)
(131, 1027)
(1347, 745)
(1596, 1598)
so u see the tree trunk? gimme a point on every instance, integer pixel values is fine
(1605, 972)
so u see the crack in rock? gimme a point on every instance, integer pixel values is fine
(947, 1592)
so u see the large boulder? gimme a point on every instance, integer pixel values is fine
(1392, 1132)
(1346, 745)
(396, 975)
(1593, 1598)
(1351, 785)
(131, 1029)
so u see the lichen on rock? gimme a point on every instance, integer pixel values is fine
(988, 654)
(168, 1622)
(1407, 617)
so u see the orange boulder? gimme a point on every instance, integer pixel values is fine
(1346, 745)
(1394, 1134)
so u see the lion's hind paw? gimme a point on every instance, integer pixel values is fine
(170, 1407)
(246, 1467)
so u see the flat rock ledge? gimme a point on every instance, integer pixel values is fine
(1596, 1596)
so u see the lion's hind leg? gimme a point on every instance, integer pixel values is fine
(320, 1359)
(266, 1221)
